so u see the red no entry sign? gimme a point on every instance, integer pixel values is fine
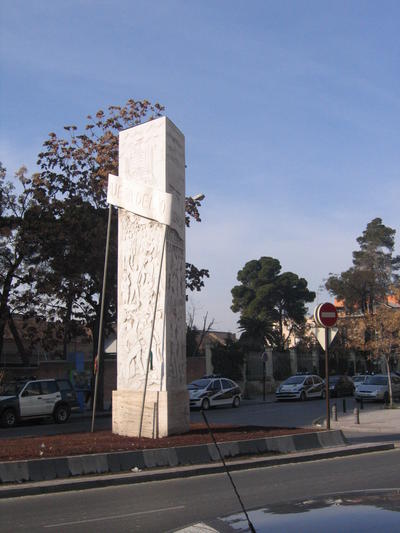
(325, 315)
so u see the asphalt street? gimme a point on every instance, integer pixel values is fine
(277, 414)
(165, 505)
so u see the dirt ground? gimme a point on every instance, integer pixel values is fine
(106, 441)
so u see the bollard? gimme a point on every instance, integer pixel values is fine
(344, 405)
(361, 403)
(356, 415)
(334, 412)
(386, 399)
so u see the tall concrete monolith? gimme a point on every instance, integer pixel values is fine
(150, 193)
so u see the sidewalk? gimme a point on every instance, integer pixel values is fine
(383, 421)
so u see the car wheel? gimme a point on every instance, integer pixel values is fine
(61, 414)
(205, 404)
(9, 418)
(236, 401)
(303, 396)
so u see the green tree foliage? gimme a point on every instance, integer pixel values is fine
(370, 326)
(20, 218)
(227, 360)
(271, 303)
(367, 283)
(70, 280)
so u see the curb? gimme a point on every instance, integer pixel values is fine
(367, 428)
(47, 469)
(90, 482)
(347, 424)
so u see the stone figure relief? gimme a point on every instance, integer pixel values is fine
(140, 254)
(140, 246)
(176, 310)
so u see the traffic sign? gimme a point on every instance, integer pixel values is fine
(325, 315)
(321, 337)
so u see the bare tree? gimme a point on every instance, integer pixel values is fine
(194, 335)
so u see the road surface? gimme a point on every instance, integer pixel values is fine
(165, 505)
(279, 414)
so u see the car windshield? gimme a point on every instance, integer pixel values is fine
(11, 389)
(294, 380)
(358, 378)
(376, 380)
(199, 384)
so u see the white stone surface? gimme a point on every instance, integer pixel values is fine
(163, 414)
(153, 156)
(140, 199)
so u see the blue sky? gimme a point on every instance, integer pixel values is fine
(290, 109)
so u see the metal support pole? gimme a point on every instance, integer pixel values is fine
(149, 358)
(264, 377)
(251, 527)
(328, 413)
(100, 335)
(344, 405)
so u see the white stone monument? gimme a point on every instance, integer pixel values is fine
(150, 191)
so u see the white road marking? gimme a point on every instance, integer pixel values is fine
(115, 516)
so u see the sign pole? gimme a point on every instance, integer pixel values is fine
(328, 412)
(325, 315)
(264, 381)
(264, 358)
(98, 360)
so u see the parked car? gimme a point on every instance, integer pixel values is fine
(367, 510)
(37, 398)
(376, 388)
(301, 387)
(340, 386)
(358, 378)
(211, 391)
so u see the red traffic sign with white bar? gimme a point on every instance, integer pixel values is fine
(325, 315)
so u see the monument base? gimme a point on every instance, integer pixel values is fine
(165, 413)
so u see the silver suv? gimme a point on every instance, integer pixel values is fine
(37, 398)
